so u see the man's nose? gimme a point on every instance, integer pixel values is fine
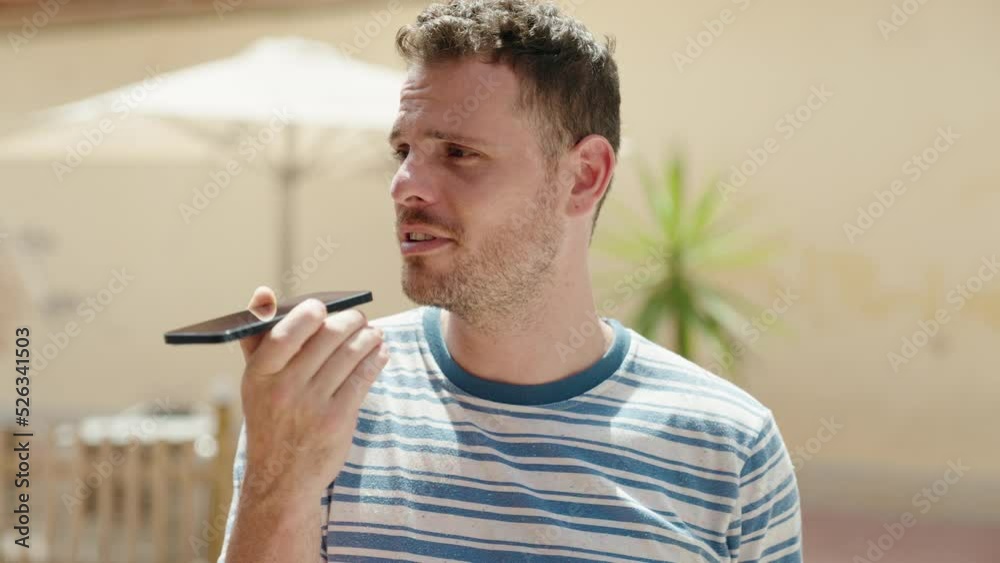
(412, 185)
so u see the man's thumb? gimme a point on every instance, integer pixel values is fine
(263, 305)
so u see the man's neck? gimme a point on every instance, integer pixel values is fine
(553, 336)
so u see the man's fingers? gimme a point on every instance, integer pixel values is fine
(343, 361)
(336, 329)
(263, 304)
(355, 388)
(249, 344)
(286, 338)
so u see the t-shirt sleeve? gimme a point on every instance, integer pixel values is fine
(770, 528)
(323, 530)
(239, 468)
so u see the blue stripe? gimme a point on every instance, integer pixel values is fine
(775, 461)
(403, 544)
(543, 467)
(543, 449)
(486, 541)
(404, 378)
(518, 518)
(757, 459)
(368, 483)
(706, 392)
(468, 439)
(728, 448)
(662, 415)
(610, 445)
(794, 557)
(672, 517)
(365, 559)
(652, 367)
(762, 520)
(739, 424)
(790, 515)
(789, 481)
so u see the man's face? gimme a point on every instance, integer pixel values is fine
(472, 173)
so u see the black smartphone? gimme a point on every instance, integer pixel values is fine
(247, 323)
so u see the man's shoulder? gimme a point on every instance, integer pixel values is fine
(401, 321)
(696, 389)
(402, 330)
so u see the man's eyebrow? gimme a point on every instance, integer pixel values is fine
(441, 135)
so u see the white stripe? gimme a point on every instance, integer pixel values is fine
(646, 498)
(554, 439)
(504, 423)
(547, 550)
(630, 399)
(499, 530)
(334, 551)
(560, 496)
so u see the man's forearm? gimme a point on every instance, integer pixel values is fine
(276, 529)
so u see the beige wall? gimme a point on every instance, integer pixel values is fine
(856, 300)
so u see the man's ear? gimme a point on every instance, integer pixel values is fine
(590, 166)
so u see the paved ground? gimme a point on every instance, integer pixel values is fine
(839, 537)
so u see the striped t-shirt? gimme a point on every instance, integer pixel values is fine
(641, 457)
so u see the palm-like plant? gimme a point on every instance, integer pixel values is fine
(688, 240)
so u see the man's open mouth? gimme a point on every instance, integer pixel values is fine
(419, 236)
(422, 243)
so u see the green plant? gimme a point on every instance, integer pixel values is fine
(689, 240)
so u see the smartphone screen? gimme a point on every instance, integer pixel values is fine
(247, 323)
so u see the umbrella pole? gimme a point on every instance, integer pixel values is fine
(289, 176)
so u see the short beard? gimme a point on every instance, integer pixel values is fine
(499, 287)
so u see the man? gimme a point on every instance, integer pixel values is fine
(503, 419)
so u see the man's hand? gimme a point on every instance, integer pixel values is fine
(302, 386)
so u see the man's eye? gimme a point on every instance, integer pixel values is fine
(399, 154)
(459, 152)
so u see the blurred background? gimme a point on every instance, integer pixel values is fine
(159, 159)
